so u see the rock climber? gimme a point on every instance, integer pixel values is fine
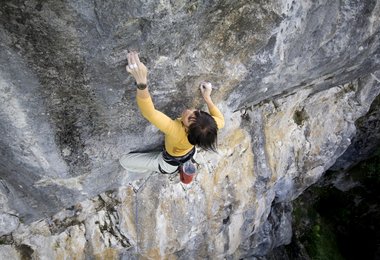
(193, 128)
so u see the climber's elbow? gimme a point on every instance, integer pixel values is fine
(146, 115)
(221, 124)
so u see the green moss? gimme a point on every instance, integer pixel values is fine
(321, 242)
(313, 231)
(372, 167)
(331, 224)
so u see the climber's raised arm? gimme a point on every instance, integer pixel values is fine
(206, 89)
(144, 100)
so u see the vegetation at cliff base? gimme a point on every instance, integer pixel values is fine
(329, 223)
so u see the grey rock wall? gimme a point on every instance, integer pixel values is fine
(292, 78)
(366, 141)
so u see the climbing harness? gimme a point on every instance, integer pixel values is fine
(186, 167)
(177, 161)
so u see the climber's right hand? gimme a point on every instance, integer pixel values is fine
(206, 89)
(137, 68)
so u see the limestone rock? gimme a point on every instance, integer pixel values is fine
(8, 223)
(292, 78)
(366, 141)
(9, 252)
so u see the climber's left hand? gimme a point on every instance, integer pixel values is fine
(137, 68)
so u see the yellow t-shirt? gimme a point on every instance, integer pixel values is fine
(176, 143)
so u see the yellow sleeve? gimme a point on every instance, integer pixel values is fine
(217, 115)
(157, 118)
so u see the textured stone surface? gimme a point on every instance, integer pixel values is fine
(292, 80)
(8, 223)
(229, 211)
(366, 140)
(9, 252)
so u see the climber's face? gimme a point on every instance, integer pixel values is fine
(187, 117)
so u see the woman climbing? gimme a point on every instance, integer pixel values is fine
(193, 128)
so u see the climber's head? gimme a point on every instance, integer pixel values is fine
(201, 128)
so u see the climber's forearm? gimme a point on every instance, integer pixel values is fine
(215, 112)
(209, 102)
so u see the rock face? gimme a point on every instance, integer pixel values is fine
(292, 79)
(366, 141)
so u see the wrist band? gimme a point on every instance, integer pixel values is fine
(141, 86)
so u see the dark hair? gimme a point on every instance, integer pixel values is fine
(203, 131)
